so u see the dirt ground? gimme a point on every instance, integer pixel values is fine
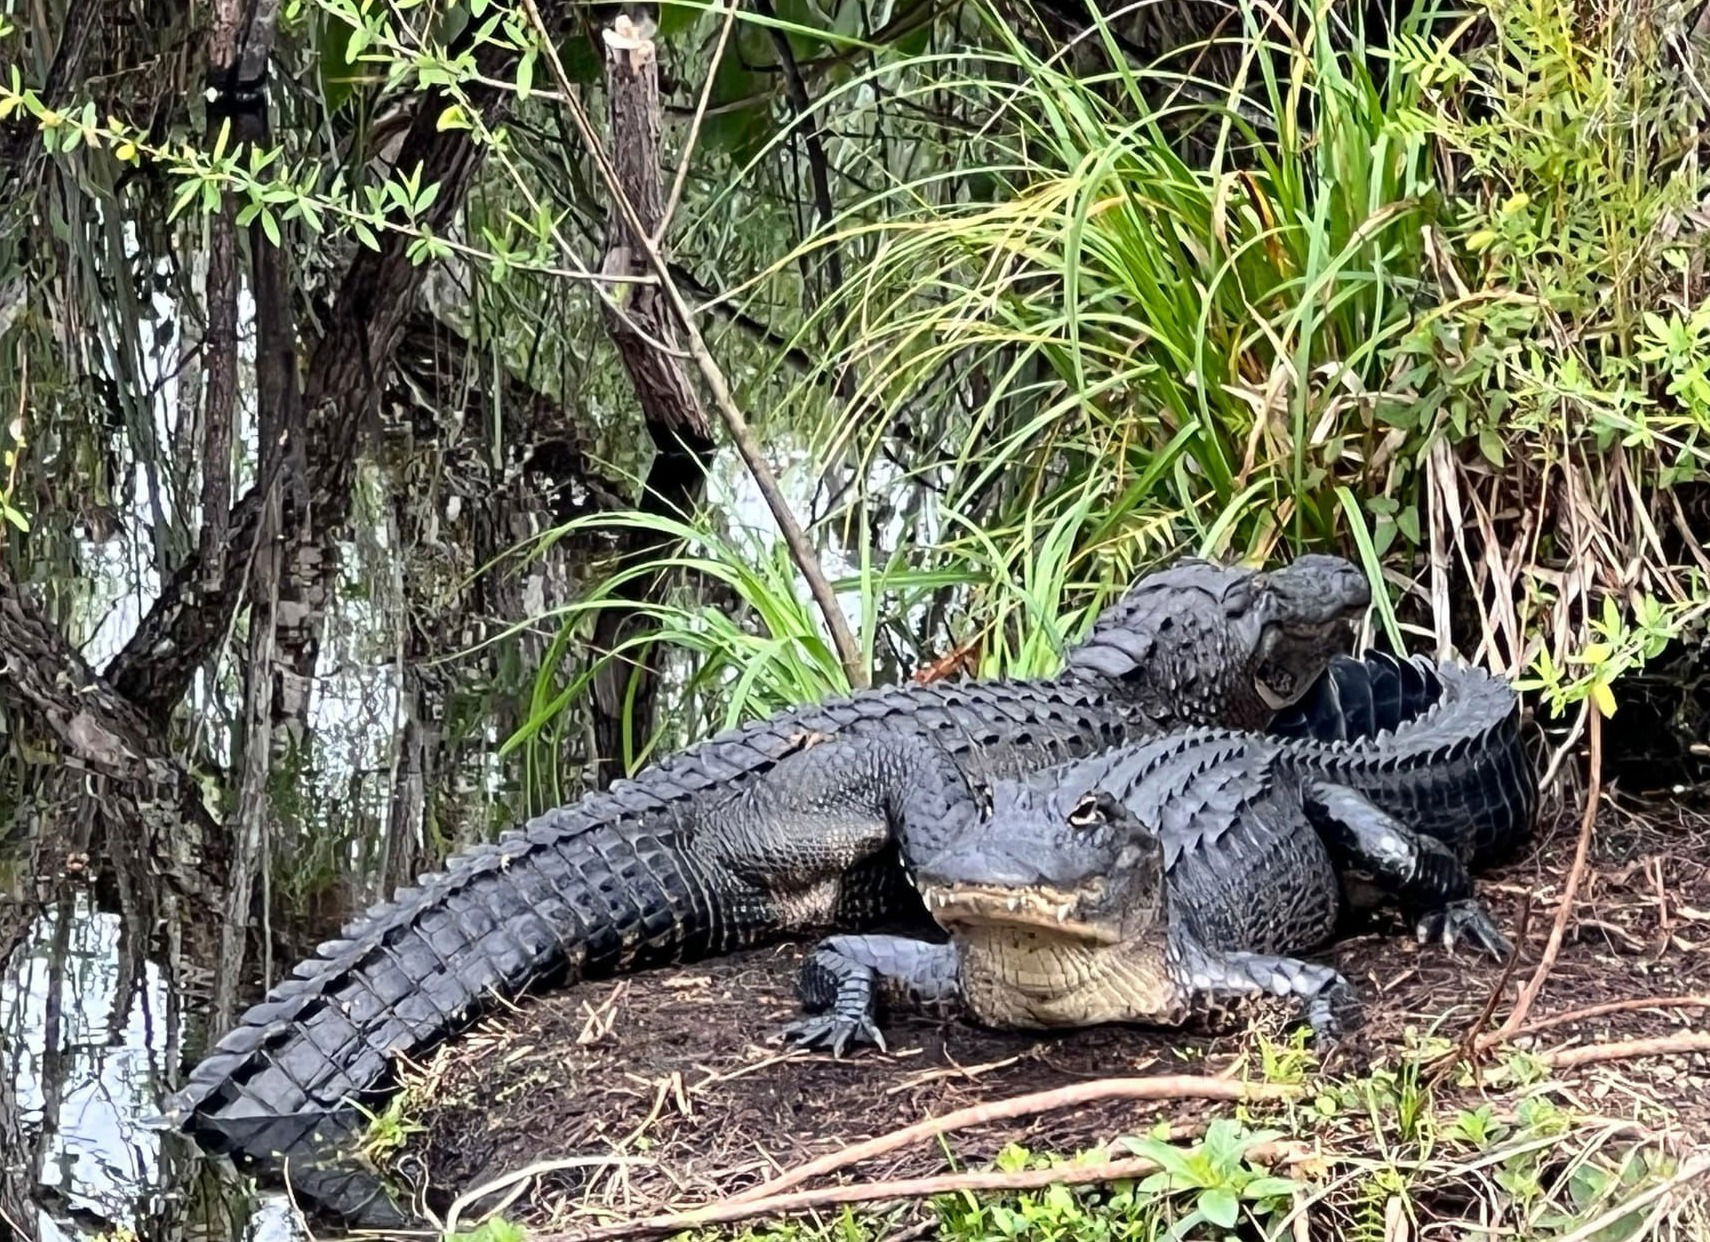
(683, 1068)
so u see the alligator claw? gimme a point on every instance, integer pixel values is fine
(834, 1031)
(1467, 919)
(1333, 1012)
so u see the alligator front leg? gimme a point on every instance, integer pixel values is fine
(842, 979)
(1219, 980)
(1421, 872)
(819, 834)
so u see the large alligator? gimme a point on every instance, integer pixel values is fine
(741, 839)
(1167, 881)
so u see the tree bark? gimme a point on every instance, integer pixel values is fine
(240, 43)
(626, 688)
(103, 732)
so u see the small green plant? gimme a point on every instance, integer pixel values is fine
(389, 1129)
(1216, 1177)
(1478, 1127)
(495, 1229)
(1287, 1060)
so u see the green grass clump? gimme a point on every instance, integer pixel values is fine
(1430, 304)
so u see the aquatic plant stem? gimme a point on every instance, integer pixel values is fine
(801, 551)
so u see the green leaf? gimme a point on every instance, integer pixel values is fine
(1270, 1188)
(1220, 1206)
(674, 18)
(338, 79)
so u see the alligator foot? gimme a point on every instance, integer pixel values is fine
(1334, 1010)
(1331, 1006)
(835, 1031)
(840, 981)
(1425, 875)
(1467, 919)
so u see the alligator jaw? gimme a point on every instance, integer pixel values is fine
(958, 906)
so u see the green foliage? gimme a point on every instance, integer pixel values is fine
(389, 1129)
(1195, 340)
(498, 1229)
(763, 646)
(10, 514)
(1559, 347)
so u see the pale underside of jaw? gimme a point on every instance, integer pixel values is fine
(979, 907)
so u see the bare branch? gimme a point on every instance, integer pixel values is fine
(800, 549)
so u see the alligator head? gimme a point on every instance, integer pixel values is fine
(1203, 643)
(1056, 904)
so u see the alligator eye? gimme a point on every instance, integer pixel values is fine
(1093, 810)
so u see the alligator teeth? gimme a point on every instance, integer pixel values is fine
(1014, 904)
(1063, 912)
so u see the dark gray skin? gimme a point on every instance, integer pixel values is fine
(1167, 881)
(752, 835)
(1436, 745)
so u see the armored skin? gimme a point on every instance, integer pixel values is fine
(1167, 881)
(752, 835)
(1435, 744)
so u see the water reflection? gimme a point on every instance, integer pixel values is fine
(86, 1035)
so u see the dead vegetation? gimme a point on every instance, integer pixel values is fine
(591, 1111)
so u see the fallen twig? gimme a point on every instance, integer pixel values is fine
(950, 1071)
(1576, 873)
(1627, 1049)
(729, 1210)
(1158, 1087)
(1597, 1011)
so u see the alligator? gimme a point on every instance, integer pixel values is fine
(734, 842)
(1435, 744)
(1165, 882)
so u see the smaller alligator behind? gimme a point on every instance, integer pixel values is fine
(1165, 882)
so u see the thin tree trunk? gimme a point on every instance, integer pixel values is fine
(219, 361)
(626, 689)
(239, 46)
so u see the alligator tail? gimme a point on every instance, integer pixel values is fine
(544, 906)
(1436, 744)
